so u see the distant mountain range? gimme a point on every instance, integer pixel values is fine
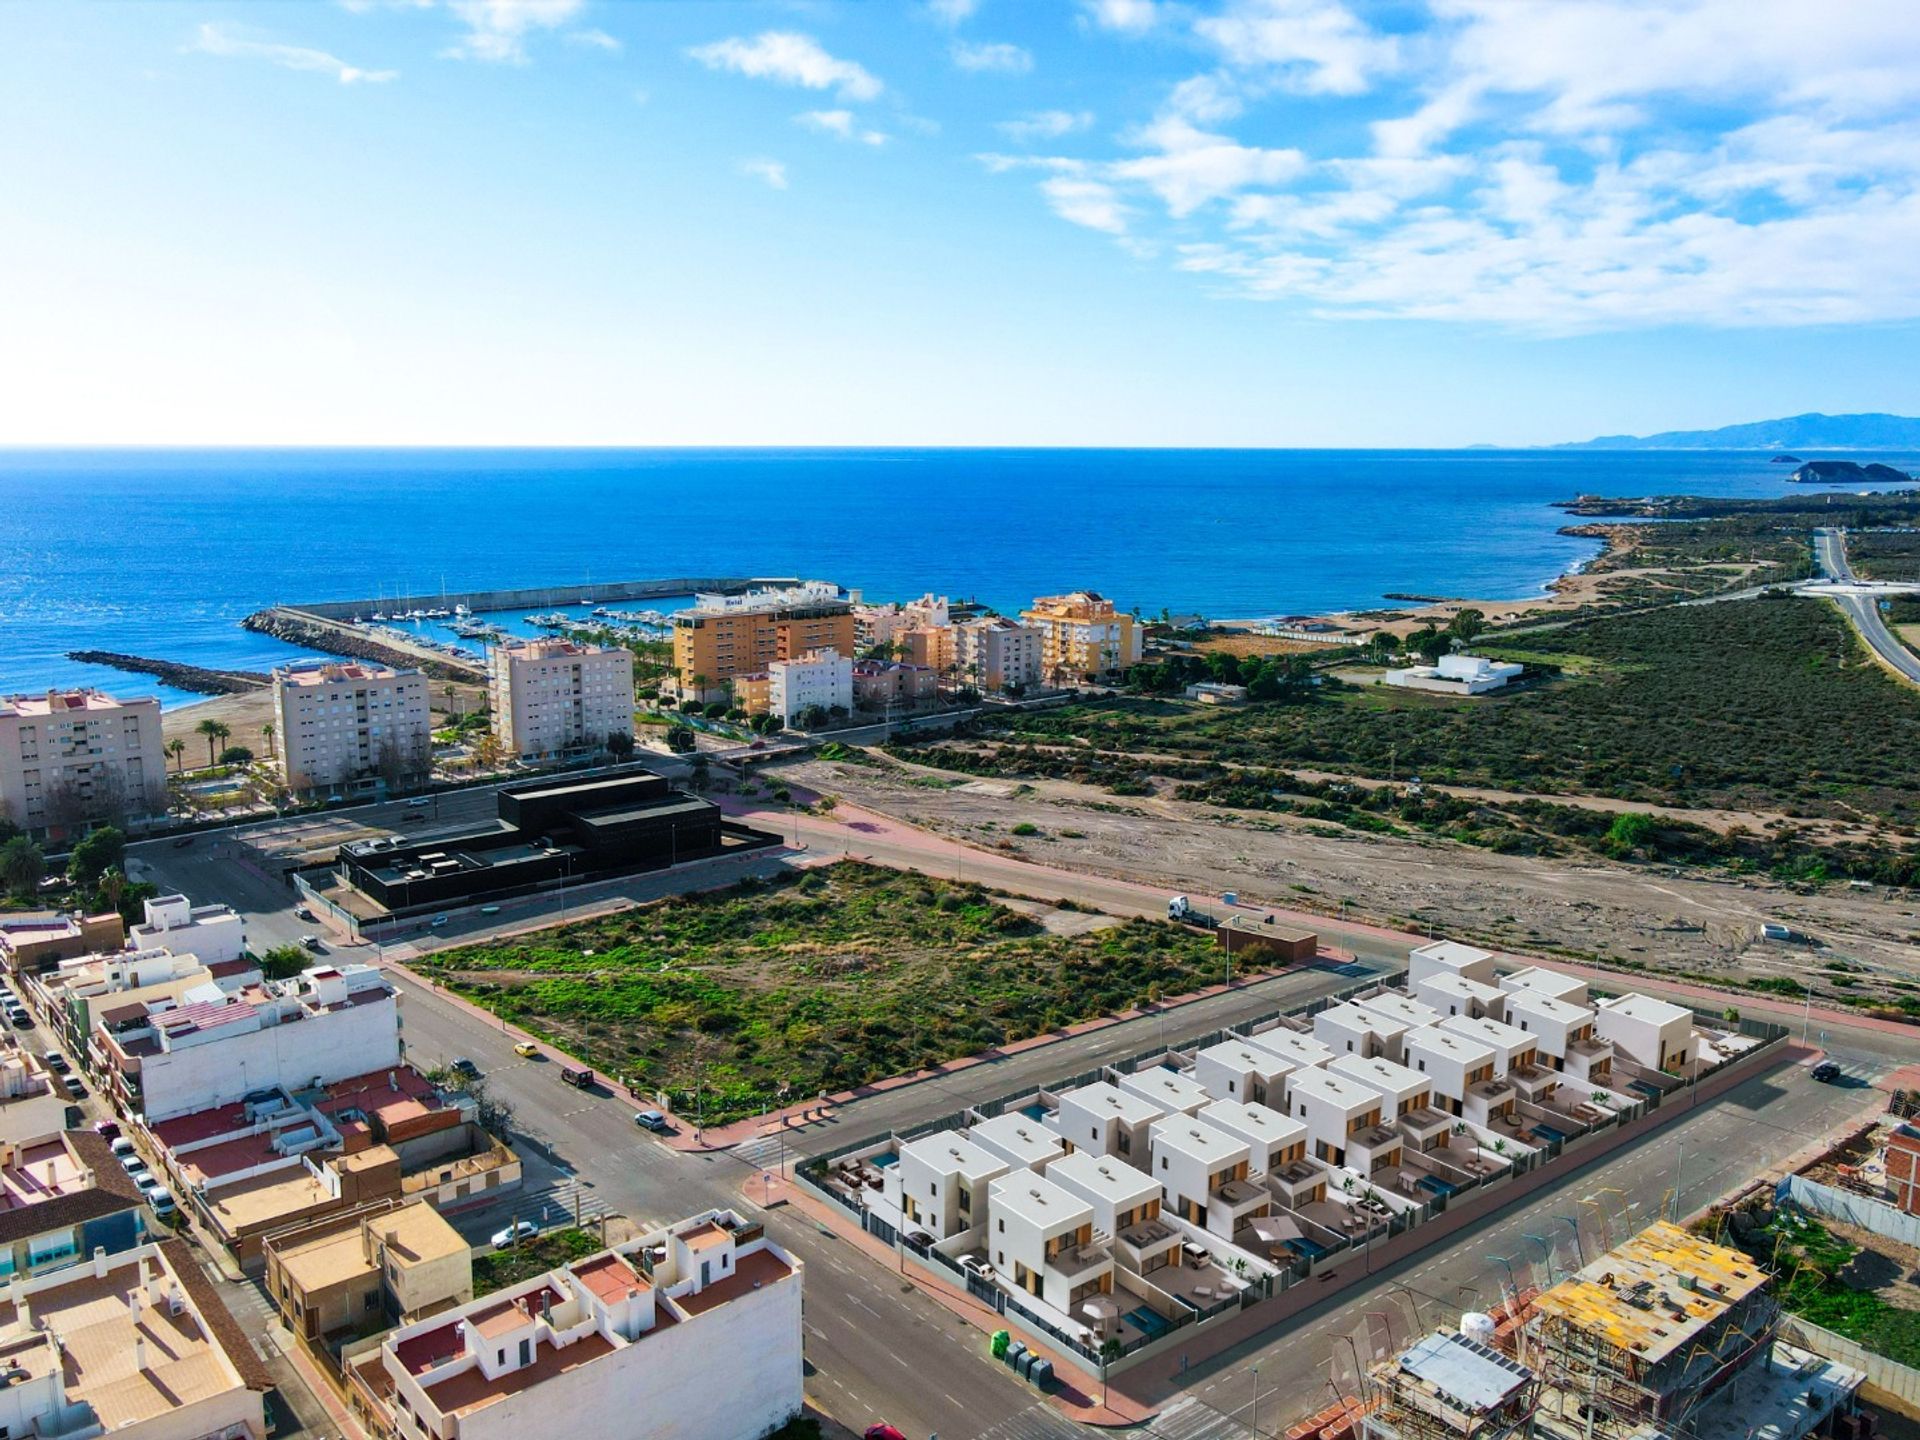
(1795, 432)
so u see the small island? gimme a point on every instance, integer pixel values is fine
(1785, 460)
(1847, 472)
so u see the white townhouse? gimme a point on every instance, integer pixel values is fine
(1448, 994)
(1401, 1009)
(940, 1182)
(1298, 1049)
(1649, 1032)
(1204, 1173)
(1126, 1209)
(1450, 957)
(1349, 1030)
(1273, 1140)
(1535, 980)
(1455, 1063)
(1237, 1070)
(1343, 1118)
(1020, 1140)
(1041, 1238)
(1174, 1092)
(1107, 1121)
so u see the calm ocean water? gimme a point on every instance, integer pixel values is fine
(160, 553)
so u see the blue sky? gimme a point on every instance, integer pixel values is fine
(1224, 222)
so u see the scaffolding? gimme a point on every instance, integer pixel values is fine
(1447, 1387)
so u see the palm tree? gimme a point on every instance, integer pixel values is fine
(220, 734)
(213, 730)
(267, 730)
(176, 747)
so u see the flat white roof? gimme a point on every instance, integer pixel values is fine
(1538, 980)
(1333, 1089)
(1531, 1003)
(1448, 983)
(950, 1153)
(1453, 953)
(1403, 1008)
(1112, 1180)
(1104, 1099)
(1646, 1008)
(1239, 1055)
(1434, 1040)
(1186, 1135)
(1020, 1136)
(1253, 1123)
(1167, 1088)
(1354, 1018)
(1382, 1076)
(1302, 1051)
(1038, 1201)
(1493, 1032)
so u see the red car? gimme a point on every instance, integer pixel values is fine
(883, 1432)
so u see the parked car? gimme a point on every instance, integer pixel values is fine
(437, 922)
(489, 909)
(419, 803)
(526, 1048)
(312, 942)
(303, 912)
(142, 1178)
(651, 1120)
(464, 1066)
(883, 1432)
(161, 1201)
(1826, 1072)
(183, 842)
(579, 1077)
(120, 1144)
(108, 1130)
(19, 1019)
(57, 1062)
(520, 1230)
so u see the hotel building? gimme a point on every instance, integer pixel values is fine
(722, 636)
(558, 697)
(71, 758)
(342, 725)
(1082, 637)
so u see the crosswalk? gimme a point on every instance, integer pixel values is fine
(1039, 1421)
(554, 1204)
(1858, 1070)
(765, 1153)
(1191, 1419)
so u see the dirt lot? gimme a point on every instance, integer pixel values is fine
(1667, 920)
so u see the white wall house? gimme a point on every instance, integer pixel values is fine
(1402, 1010)
(1448, 994)
(1174, 1092)
(1450, 957)
(820, 677)
(1455, 675)
(1513, 1048)
(1647, 1031)
(1401, 1090)
(1273, 1140)
(941, 1184)
(1300, 1050)
(1349, 1030)
(1204, 1173)
(1126, 1209)
(1041, 1241)
(1343, 1118)
(1551, 983)
(1454, 1062)
(1106, 1120)
(1020, 1140)
(1236, 1070)
(213, 933)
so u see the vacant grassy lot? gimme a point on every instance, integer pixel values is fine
(1766, 704)
(496, 1269)
(1885, 554)
(822, 980)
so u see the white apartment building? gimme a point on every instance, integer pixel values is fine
(1204, 1174)
(1449, 994)
(1455, 1063)
(212, 933)
(72, 758)
(1020, 1140)
(1041, 1241)
(820, 677)
(558, 697)
(1450, 957)
(692, 1332)
(342, 724)
(1107, 1121)
(1126, 1209)
(940, 1183)
(996, 654)
(1649, 1032)
(213, 1048)
(1273, 1140)
(1550, 983)
(1236, 1070)
(1348, 1030)
(1173, 1091)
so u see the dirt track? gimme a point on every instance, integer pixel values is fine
(1664, 919)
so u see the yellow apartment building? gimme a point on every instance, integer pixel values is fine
(1083, 637)
(723, 637)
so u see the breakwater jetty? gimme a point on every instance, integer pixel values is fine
(338, 637)
(195, 679)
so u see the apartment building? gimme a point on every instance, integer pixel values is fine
(1020, 1140)
(347, 725)
(74, 994)
(1083, 637)
(1204, 1174)
(1649, 1032)
(70, 759)
(559, 697)
(931, 647)
(878, 684)
(875, 625)
(722, 636)
(1126, 1209)
(941, 1181)
(136, 1345)
(691, 1332)
(995, 654)
(163, 1060)
(1041, 1239)
(1106, 1120)
(35, 943)
(822, 678)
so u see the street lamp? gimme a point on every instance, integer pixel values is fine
(1579, 1246)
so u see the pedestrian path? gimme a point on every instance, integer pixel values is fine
(1190, 1419)
(1039, 1421)
(765, 1153)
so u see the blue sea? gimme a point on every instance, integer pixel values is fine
(161, 552)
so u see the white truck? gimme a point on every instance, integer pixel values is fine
(1183, 911)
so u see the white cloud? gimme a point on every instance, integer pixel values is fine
(1086, 202)
(952, 12)
(1191, 166)
(772, 172)
(593, 39)
(1317, 46)
(497, 30)
(1046, 125)
(790, 58)
(998, 59)
(216, 40)
(1129, 17)
(840, 124)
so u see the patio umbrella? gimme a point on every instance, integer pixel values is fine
(1100, 1309)
(1275, 1229)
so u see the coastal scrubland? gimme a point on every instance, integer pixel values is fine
(1885, 554)
(819, 980)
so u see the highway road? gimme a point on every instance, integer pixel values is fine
(1863, 610)
(879, 1349)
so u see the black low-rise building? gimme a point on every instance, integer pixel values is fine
(546, 834)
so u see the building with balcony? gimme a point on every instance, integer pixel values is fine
(1019, 1139)
(1238, 1071)
(555, 698)
(940, 1183)
(63, 1193)
(884, 684)
(74, 994)
(1041, 1242)
(1449, 994)
(1512, 1047)
(1450, 957)
(692, 1332)
(821, 679)
(213, 934)
(1649, 1032)
(71, 759)
(1455, 1063)
(1083, 637)
(344, 725)
(1273, 1140)
(996, 655)
(1205, 1174)
(721, 636)
(875, 625)
(1106, 1120)
(1126, 1209)
(135, 1345)
(1566, 1034)
(1349, 1030)
(162, 1060)
(30, 944)
(1401, 1090)
(1343, 1120)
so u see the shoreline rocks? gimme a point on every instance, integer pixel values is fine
(195, 679)
(337, 640)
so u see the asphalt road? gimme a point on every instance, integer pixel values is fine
(1830, 549)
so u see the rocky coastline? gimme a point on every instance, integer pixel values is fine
(194, 679)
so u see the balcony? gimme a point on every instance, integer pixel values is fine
(1534, 1082)
(1077, 1260)
(1425, 1128)
(1297, 1184)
